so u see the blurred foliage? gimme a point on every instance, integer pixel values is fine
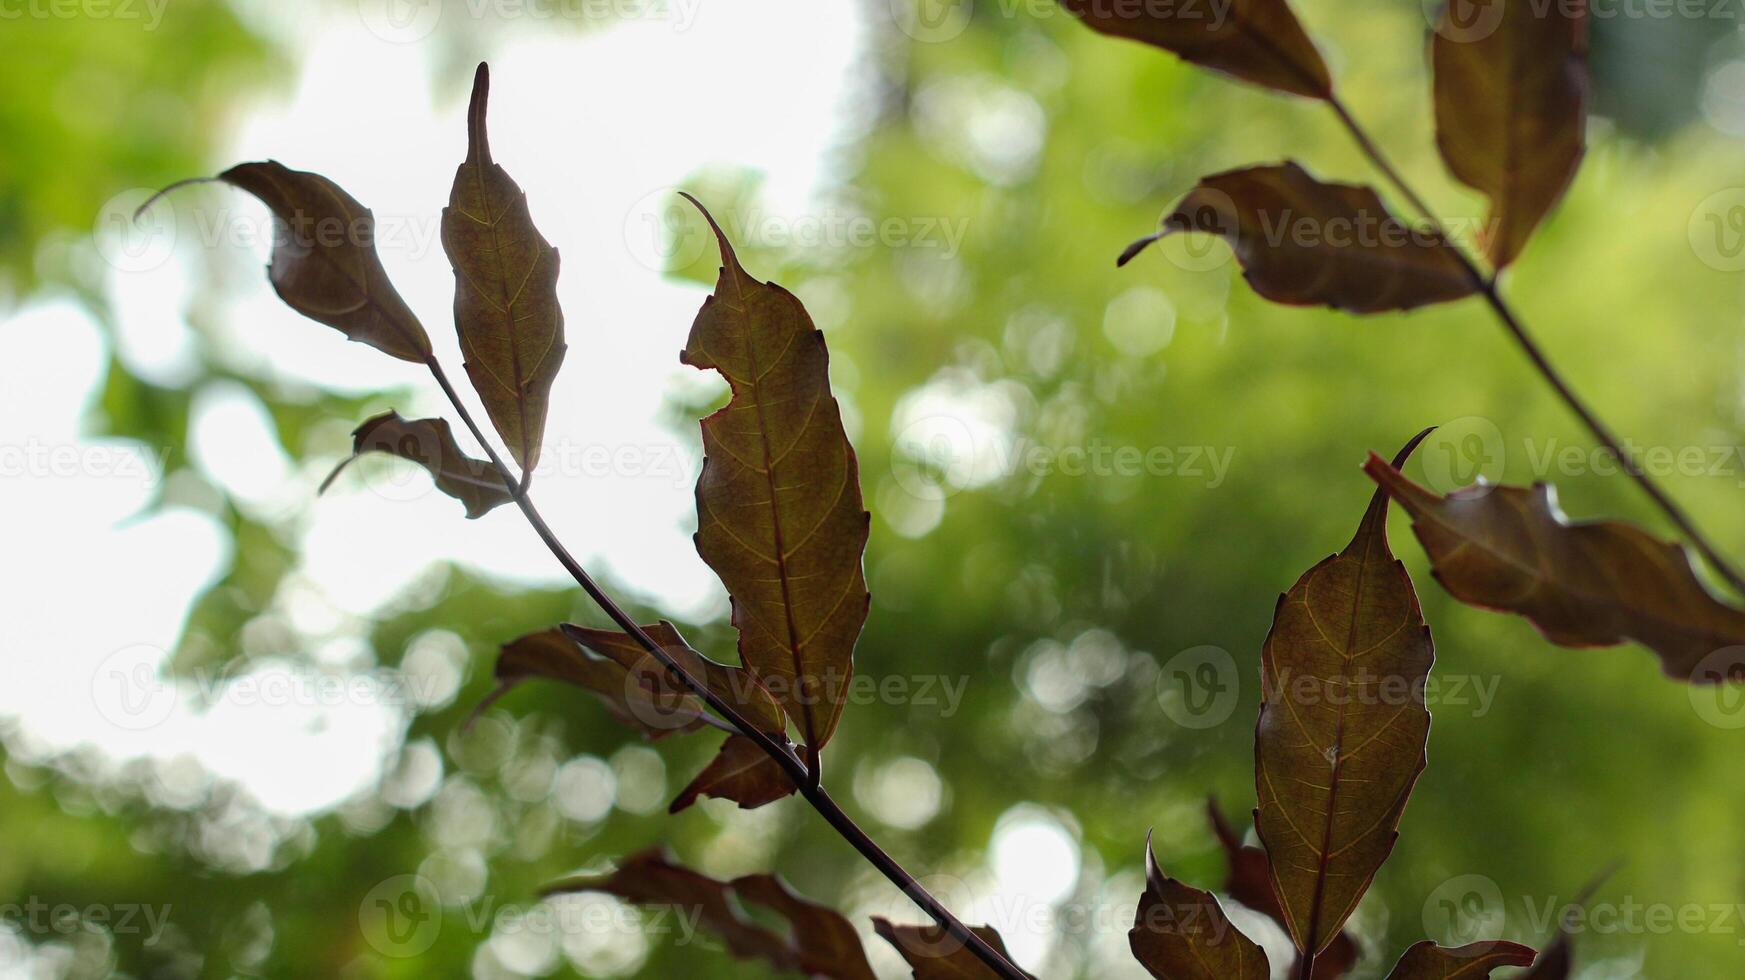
(1060, 598)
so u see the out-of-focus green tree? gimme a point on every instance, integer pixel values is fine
(1100, 617)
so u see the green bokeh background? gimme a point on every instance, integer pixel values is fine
(1584, 758)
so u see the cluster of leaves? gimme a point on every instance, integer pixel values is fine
(1340, 742)
(1343, 729)
(779, 507)
(1510, 99)
(780, 517)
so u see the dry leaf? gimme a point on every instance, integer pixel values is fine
(641, 698)
(1249, 882)
(1583, 585)
(1511, 110)
(827, 944)
(324, 263)
(650, 878)
(1181, 933)
(1303, 242)
(1428, 961)
(1256, 40)
(742, 772)
(1342, 728)
(819, 941)
(779, 513)
(476, 483)
(734, 685)
(934, 954)
(505, 291)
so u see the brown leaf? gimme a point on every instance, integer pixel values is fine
(1511, 110)
(933, 954)
(742, 772)
(1428, 961)
(827, 944)
(1306, 243)
(476, 483)
(1583, 585)
(640, 698)
(505, 291)
(1250, 882)
(1342, 728)
(779, 513)
(1256, 40)
(1181, 933)
(734, 685)
(324, 263)
(819, 943)
(641, 692)
(650, 878)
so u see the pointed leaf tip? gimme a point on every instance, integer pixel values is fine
(1181, 933)
(478, 141)
(1334, 769)
(1132, 251)
(505, 299)
(780, 517)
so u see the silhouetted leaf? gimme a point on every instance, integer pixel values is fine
(1250, 882)
(645, 695)
(1181, 933)
(476, 483)
(505, 291)
(1428, 961)
(1511, 110)
(779, 513)
(1306, 243)
(827, 943)
(819, 943)
(1583, 585)
(1342, 728)
(734, 685)
(742, 772)
(1256, 40)
(324, 263)
(650, 878)
(640, 697)
(933, 954)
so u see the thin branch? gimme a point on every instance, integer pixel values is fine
(777, 746)
(1487, 287)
